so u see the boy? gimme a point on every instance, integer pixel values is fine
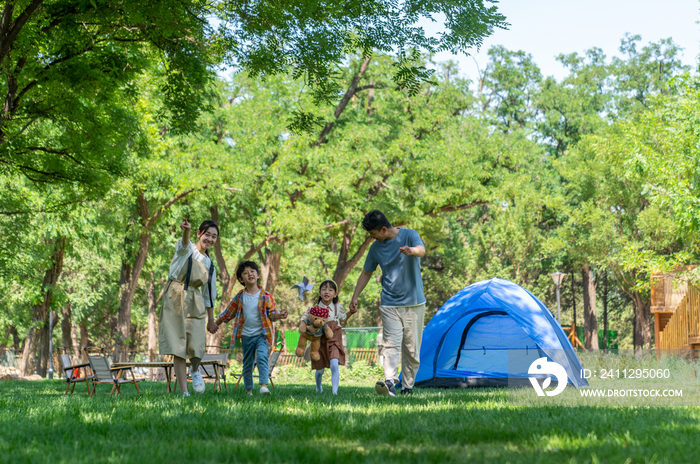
(253, 311)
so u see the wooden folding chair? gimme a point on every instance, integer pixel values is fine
(271, 362)
(104, 374)
(73, 371)
(208, 370)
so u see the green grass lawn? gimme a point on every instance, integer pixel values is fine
(38, 423)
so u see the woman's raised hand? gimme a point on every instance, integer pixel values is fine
(186, 228)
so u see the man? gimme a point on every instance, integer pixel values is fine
(397, 251)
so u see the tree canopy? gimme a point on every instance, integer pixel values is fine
(71, 69)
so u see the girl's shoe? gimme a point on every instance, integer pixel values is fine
(185, 395)
(249, 392)
(264, 391)
(319, 389)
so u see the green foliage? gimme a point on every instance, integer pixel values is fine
(73, 77)
(313, 37)
(71, 81)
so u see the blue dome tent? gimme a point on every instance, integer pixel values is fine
(488, 334)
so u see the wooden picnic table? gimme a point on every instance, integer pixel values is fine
(168, 366)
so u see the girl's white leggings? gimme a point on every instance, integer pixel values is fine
(335, 377)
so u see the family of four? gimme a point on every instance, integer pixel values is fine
(188, 303)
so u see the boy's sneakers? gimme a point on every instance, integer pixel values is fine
(407, 391)
(249, 392)
(264, 390)
(197, 382)
(385, 388)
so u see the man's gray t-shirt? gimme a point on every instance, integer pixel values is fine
(402, 284)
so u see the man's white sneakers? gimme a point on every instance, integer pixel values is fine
(197, 382)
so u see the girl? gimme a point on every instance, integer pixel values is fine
(182, 324)
(331, 351)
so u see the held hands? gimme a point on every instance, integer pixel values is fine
(353, 306)
(352, 310)
(212, 327)
(283, 314)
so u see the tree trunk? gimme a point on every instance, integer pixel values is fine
(153, 319)
(227, 283)
(128, 284)
(605, 310)
(573, 295)
(270, 261)
(3, 345)
(84, 340)
(42, 358)
(15, 338)
(27, 364)
(590, 321)
(75, 343)
(44, 347)
(66, 329)
(642, 331)
(345, 264)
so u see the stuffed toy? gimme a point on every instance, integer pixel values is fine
(312, 327)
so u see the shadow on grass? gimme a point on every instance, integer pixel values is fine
(295, 424)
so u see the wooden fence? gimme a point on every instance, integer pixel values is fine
(682, 330)
(369, 355)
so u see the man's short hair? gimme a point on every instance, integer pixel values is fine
(241, 267)
(375, 220)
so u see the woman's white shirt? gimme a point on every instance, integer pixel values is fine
(180, 260)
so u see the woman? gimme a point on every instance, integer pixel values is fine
(182, 318)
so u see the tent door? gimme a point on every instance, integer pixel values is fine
(494, 342)
(469, 326)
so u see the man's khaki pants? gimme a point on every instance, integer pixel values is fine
(403, 329)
